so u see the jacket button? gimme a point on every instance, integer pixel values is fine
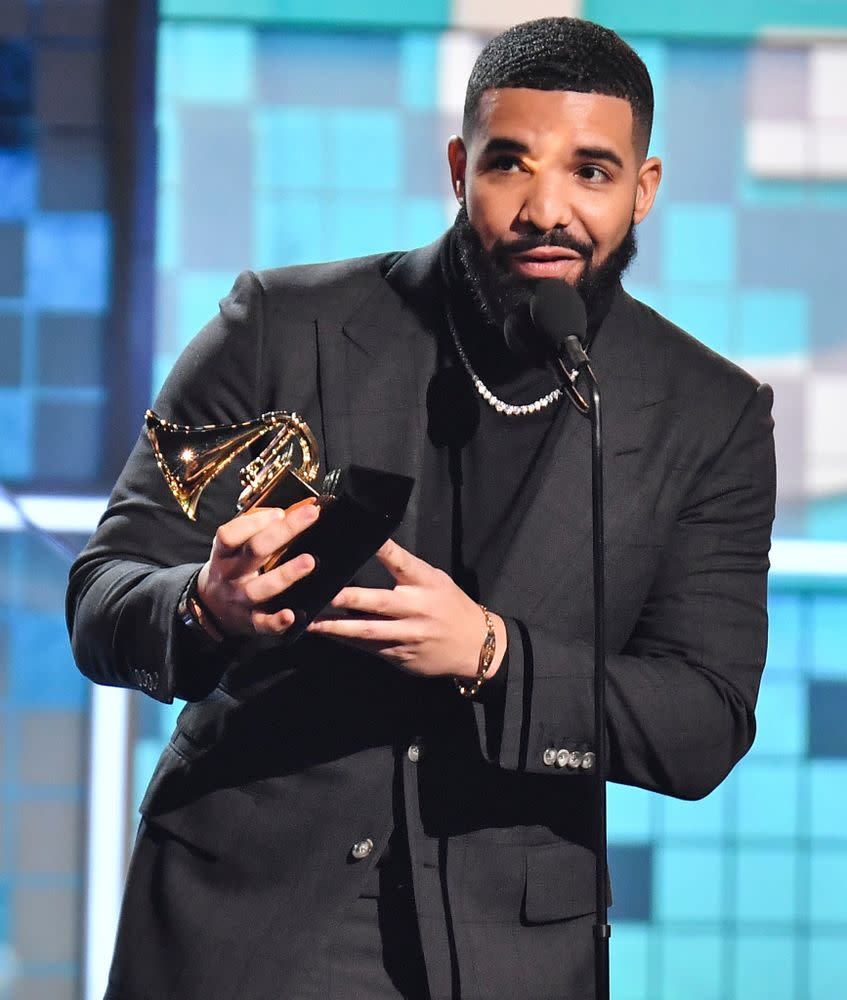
(414, 752)
(562, 758)
(587, 761)
(549, 756)
(362, 848)
(575, 759)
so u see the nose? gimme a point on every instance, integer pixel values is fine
(547, 203)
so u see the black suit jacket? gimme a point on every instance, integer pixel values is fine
(287, 755)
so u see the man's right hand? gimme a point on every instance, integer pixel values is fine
(232, 585)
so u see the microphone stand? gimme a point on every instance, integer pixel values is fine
(602, 929)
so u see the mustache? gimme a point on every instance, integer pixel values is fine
(502, 249)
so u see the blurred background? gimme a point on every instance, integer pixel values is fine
(149, 152)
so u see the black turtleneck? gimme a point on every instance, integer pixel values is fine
(476, 461)
(479, 466)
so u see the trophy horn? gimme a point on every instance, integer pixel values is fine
(189, 458)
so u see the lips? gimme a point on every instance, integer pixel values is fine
(546, 262)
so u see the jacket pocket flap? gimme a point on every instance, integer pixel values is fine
(211, 820)
(213, 823)
(559, 882)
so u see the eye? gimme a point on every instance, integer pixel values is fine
(505, 163)
(593, 174)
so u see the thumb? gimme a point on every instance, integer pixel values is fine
(400, 563)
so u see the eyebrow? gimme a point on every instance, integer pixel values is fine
(599, 153)
(503, 145)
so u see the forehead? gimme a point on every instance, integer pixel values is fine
(566, 116)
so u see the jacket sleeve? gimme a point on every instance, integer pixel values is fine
(126, 584)
(681, 692)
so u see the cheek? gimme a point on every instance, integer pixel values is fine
(607, 225)
(482, 221)
(492, 213)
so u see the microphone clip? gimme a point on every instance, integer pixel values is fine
(576, 355)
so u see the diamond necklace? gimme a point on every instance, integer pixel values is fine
(510, 409)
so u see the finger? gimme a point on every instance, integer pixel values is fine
(400, 563)
(274, 536)
(233, 534)
(263, 587)
(373, 631)
(369, 600)
(272, 624)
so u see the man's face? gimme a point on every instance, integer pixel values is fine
(552, 184)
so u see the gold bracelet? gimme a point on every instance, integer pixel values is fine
(486, 658)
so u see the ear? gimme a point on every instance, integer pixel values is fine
(457, 155)
(649, 176)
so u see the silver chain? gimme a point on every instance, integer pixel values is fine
(510, 409)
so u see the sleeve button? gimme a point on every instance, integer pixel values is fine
(362, 848)
(575, 759)
(549, 756)
(587, 761)
(562, 758)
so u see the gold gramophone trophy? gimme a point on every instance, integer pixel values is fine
(191, 457)
(360, 507)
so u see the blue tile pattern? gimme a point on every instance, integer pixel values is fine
(55, 261)
(706, 84)
(828, 719)
(766, 964)
(719, 19)
(43, 705)
(18, 182)
(692, 963)
(68, 262)
(631, 867)
(55, 250)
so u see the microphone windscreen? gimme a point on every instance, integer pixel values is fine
(558, 312)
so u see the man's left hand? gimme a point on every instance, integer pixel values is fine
(426, 624)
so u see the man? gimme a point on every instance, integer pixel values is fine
(400, 802)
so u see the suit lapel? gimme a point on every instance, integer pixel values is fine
(375, 366)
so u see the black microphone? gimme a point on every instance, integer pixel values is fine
(560, 321)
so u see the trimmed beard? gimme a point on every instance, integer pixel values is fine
(498, 292)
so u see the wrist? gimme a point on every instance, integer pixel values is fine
(489, 658)
(195, 616)
(502, 640)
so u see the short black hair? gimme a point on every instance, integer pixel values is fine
(563, 53)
